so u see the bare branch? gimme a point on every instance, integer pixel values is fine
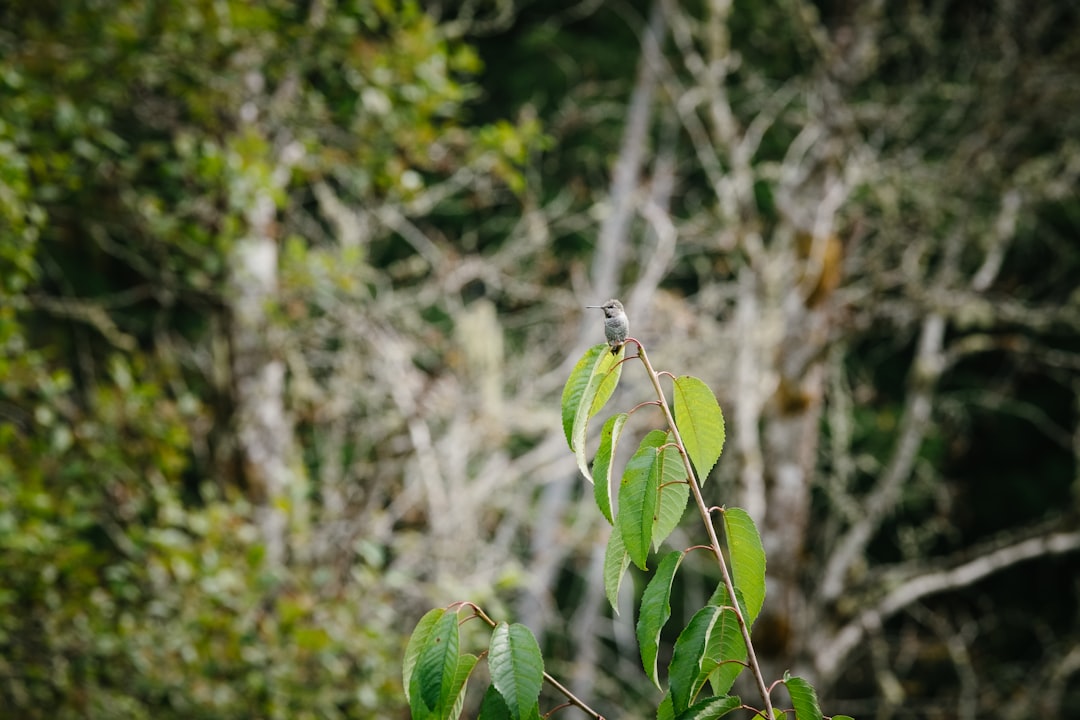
(1004, 229)
(86, 311)
(752, 386)
(351, 226)
(913, 427)
(609, 255)
(656, 213)
(912, 589)
(393, 218)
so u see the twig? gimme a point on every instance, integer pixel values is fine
(574, 700)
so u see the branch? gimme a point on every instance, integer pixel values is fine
(351, 227)
(1004, 230)
(86, 311)
(915, 588)
(913, 426)
(750, 392)
(656, 212)
(573, 699)
(631, 156)
(393, 218)
(1057, 685)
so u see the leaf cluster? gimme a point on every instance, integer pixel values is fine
(712, 650)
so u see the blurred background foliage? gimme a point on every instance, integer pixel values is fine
(437, 176)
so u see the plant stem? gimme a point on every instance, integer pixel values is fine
(574, 700)
(706, 517)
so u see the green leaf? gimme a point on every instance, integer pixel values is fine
(616, 560)
(590, 385)
(493, 707)
(517, 668)
(700, 422)
(684, 670)
(417, 642)
(673, 500)
(609, 442)
(610, 370)
(574, 390)
(747, 559)
(726, 650)
(665, 711)
(674, 493)
(803, 698)
(639, 496)
(465, 666)
(654, 612)
(436, 666)
(711, 708)
(726, 643)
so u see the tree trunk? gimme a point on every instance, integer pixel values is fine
(263, 430)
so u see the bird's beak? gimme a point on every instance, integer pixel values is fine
(595, 306)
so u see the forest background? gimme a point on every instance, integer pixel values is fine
(290, 290)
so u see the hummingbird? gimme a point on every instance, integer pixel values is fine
(616, 325)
